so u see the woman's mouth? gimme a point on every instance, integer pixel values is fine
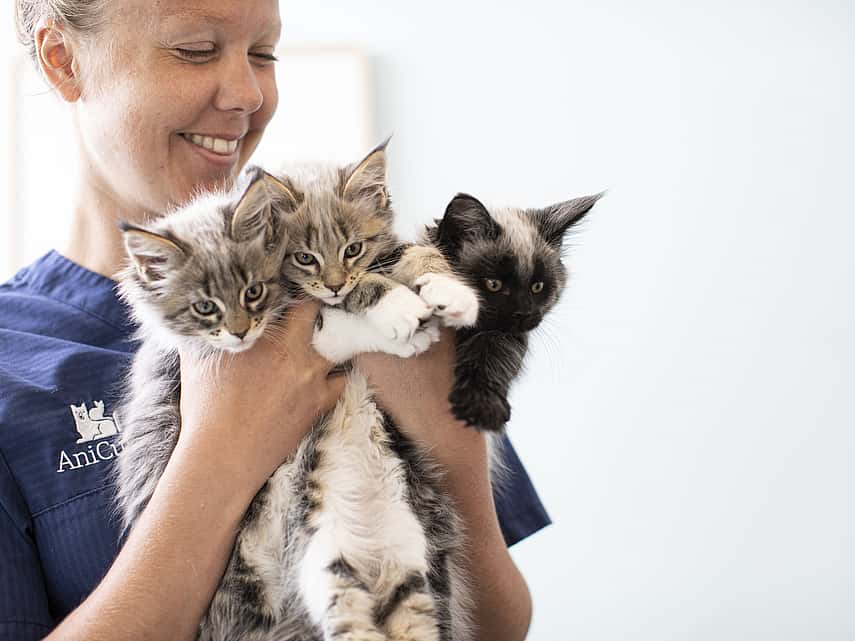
(220, 146)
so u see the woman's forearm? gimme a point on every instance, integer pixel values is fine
(167, 572)
(502, 599)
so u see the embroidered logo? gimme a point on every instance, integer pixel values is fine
(91, 425)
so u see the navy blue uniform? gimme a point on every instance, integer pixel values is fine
(64, 346)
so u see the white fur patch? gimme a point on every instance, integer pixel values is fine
(344, 335)
(452, 300)
(398, 314)
(519, 229)
(364, 516)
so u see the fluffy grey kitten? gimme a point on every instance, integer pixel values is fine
(353, 538)
(512, 257)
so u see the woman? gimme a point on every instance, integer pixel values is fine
(142, 78)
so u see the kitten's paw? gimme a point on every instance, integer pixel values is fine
(421, 341)
(334, 347)
(425, 336)
(452, 300)
(480, 407)
(399, 314)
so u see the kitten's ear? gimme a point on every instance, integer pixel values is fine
(465, 217)
(256, 213)
(554, 221)
(367, 180)
(152, 254)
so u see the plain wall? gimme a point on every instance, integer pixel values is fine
(687, 415)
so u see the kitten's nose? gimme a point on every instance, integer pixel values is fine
(240, 335)
(334, 288)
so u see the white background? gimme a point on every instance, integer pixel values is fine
(687, 415)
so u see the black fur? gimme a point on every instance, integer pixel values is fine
(519, 276)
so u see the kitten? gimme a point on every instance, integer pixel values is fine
(352, 538)
(385, 538)
(343, 251)
(207, 278)
(512, 257)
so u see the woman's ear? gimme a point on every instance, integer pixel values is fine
(55, 55)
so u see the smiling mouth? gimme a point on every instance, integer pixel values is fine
(219, 146)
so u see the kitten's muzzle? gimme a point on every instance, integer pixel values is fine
(526, 322)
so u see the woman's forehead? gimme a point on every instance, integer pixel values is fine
(247, 14)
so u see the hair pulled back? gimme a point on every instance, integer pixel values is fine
(84, 16)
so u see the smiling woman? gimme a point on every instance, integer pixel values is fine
(167, 99)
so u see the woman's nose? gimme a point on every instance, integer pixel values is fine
(239, 88)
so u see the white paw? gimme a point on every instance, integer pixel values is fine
(335, 340)
(425, 336)
(451, 299)
(399, 314)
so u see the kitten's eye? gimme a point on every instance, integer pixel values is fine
(354, 249)
(304, 258)
(254, 292)
(493, 284)
(537, 287)
(205, 307)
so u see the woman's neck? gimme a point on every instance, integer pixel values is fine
(95, 240)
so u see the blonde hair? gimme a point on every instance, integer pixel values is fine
(83, 16)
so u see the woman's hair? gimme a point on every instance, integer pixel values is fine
(84, 16)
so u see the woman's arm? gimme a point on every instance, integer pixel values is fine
(232, 439)
(415, 392)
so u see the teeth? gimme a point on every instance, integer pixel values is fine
(217, 145)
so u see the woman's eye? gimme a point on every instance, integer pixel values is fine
(304, 258)
(493, 284)
(264, 57)
(205, 307)
(195, 54)
(354, 249)
(254, 292)
(537, 287)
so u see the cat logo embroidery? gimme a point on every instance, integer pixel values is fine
(92, 425)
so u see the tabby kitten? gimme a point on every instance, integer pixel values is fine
(512, 257)
(383, 544)
(207, 278)
(343, 251)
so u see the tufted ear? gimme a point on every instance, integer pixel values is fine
(256, 213)
(367, 180)
(554, 221)
(152, 254)
(465, 218)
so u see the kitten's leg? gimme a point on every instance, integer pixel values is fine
(337, 598)
(410, 613)
(417, 260)
(341, 335)
(394, 309)
(425, 269)
(487, 362)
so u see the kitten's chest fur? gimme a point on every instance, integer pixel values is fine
(346, 496)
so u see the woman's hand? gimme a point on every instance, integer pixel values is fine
(251, 410)
(415, 393)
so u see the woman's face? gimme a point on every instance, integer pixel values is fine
(175, 96)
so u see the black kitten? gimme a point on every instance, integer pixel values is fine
(512, 257)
